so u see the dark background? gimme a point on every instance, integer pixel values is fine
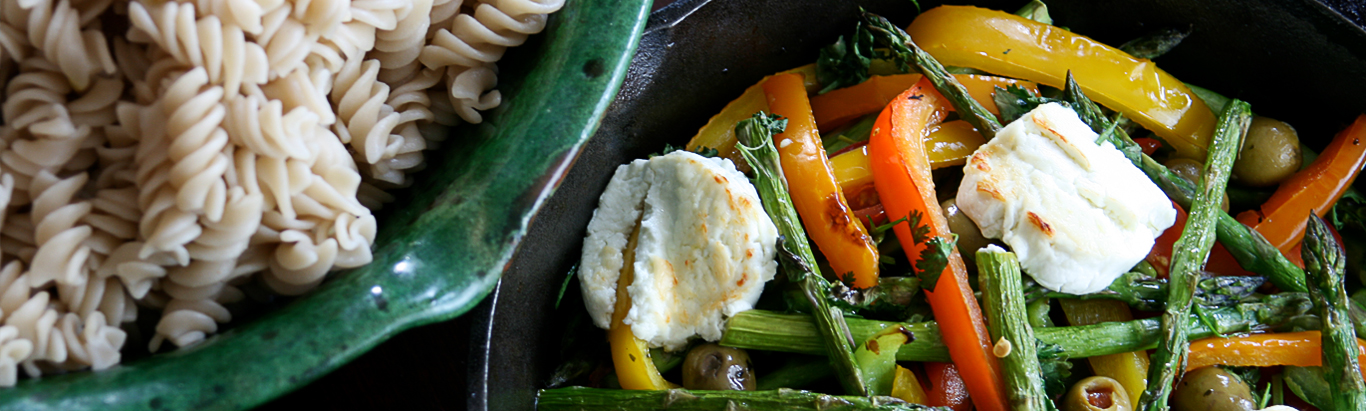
(425, 368)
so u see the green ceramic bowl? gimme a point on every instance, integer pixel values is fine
(441, 247)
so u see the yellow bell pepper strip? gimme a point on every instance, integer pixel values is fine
(631, 355)
(719, 132)
(901, 174)
(852, 169)
(949, 144)
(1302, 349)
(907, 388)
(841, 106)
(819, 201)
(1130, 368)
(1005, 44)
(1316, 188)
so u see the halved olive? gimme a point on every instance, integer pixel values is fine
(713, 367)
(1097, 394)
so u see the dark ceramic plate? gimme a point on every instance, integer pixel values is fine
(1295, 60)
(441, 248)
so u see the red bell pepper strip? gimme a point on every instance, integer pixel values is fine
(946, 387)
(901, 174)
(1149, 145)
(1161, 255)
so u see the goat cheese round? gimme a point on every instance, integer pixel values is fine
(704, 251)
(1078, 214)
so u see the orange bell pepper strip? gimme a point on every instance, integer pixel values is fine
(841, 106)
(631, 355)
(829, 221)
(901, 174)
(1002, 43)
(1316, 188)
(949, 144)
(1302, 349)
(719, 132)
(946, 387)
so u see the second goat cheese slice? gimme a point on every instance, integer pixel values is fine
(704, 251)
(1077, 214)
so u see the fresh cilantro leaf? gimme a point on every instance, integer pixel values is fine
(1350, 210)
(1249, 375)
(882, 229)
(890, 298)
(847, 279)
(919, 232)
(701, 151)
(1014, 101)
(879, 232)
(1055, 366)
(933, 259)
(845, 63)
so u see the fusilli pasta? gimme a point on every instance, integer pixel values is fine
(216, 146)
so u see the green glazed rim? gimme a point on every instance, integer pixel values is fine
(441, 248)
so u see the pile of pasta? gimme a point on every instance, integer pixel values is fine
(166, 154)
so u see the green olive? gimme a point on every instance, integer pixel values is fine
(713, 367)
(1270, 153)
(970, 238)
(1193, 171)
(1097, 394)
(1212, 389)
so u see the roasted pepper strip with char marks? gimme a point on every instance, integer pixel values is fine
(1001, 43)
(829, 221)
(902, 176)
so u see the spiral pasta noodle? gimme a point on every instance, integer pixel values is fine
(214, 148)
(472, 42)
(55, 31)
(223, 51)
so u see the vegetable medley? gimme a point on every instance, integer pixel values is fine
(979, 211)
